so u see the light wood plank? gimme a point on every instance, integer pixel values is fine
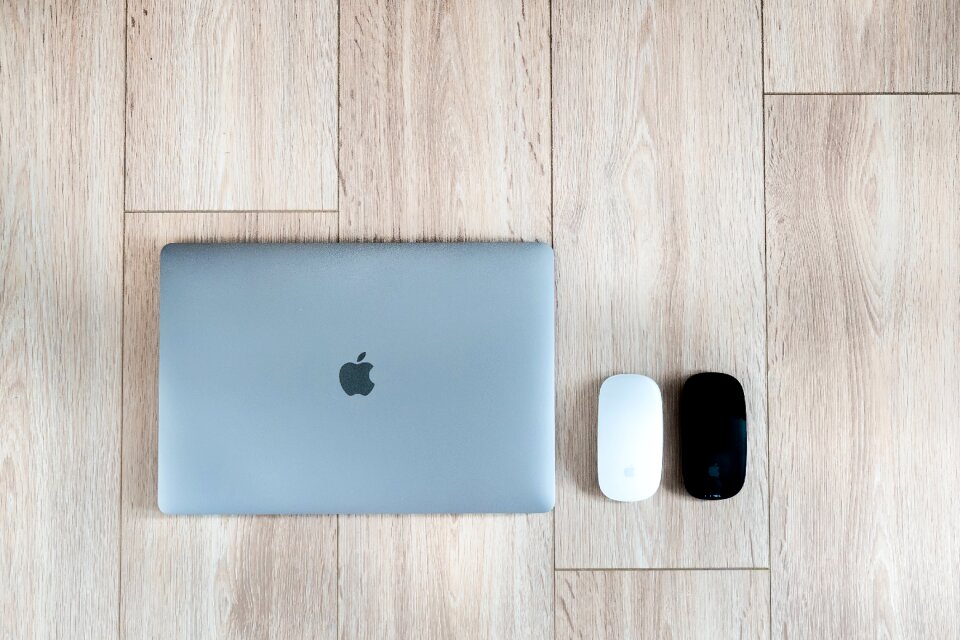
(209, 577)
(864, 258)
(446, 136)
(476, 576)
(659, 240)
(231, 105)
(61, 217)
(446, 120)
(597, 605)
(838, 46)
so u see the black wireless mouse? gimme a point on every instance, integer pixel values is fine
(713, 436)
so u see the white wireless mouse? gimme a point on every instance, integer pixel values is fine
(629, 437)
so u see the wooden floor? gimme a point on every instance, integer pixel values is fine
(766, 189)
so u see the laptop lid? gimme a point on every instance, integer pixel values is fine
(356, 378)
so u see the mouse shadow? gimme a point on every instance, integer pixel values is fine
(672, 479)
(579, 458)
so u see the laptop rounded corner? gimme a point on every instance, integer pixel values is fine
(547, 504)
(544, 248)
(168, 248)
(165, 507)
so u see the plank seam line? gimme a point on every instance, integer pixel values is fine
(766, 303)
(337, 572)
(326, 211)
(646, 569)
(553, 243)
(861, 93)
(123, 346)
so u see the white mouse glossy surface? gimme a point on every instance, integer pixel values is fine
(629, 437)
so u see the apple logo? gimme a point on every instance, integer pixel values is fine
(355, 376)
(629, 472)
(714, 470)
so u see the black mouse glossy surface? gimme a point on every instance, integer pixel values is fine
(713, 436)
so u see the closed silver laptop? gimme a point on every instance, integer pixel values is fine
(356, 378)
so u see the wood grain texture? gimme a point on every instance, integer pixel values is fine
(659, 241)
(231, 105)
(446, 120)
(209, 577)
(864, 317)
(602, 605)
(474, 576)
(446, 135)
(61, 225)
(851, 46)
